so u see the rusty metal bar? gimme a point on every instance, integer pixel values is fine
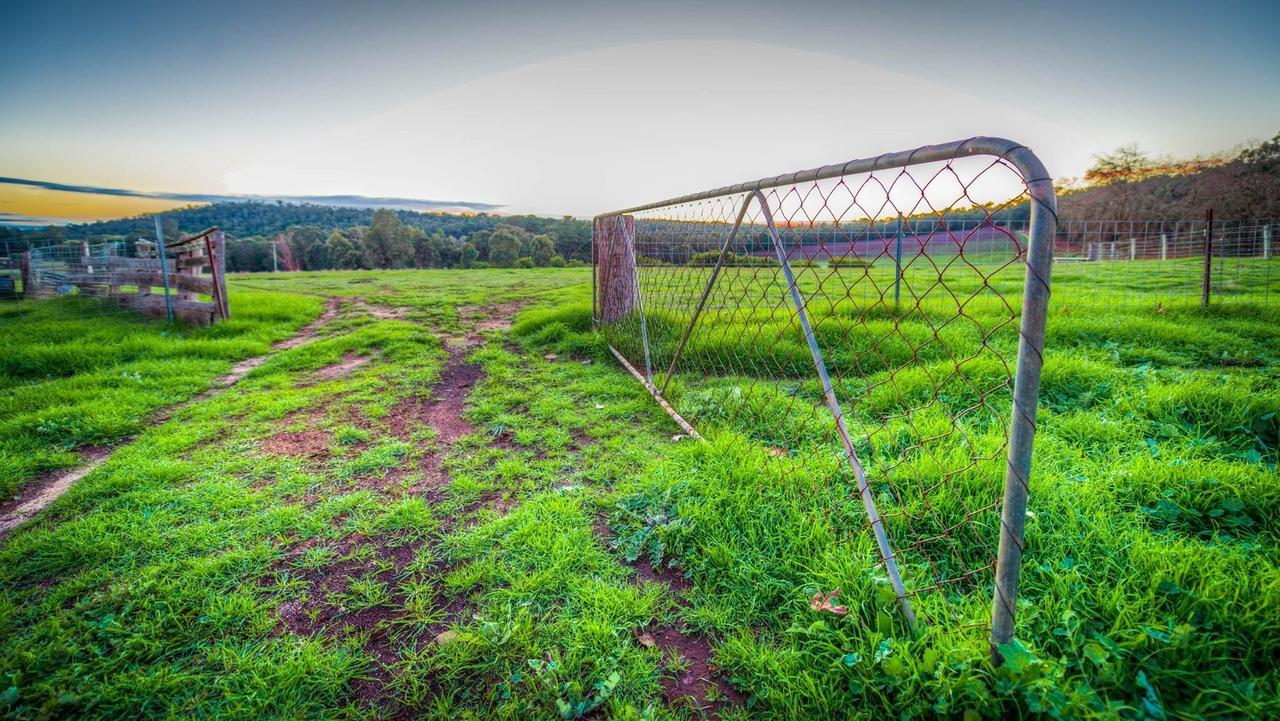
(1019, 155)
(864, 488)
(653, 391)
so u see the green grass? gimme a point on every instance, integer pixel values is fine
(199, 573)
(70, 377)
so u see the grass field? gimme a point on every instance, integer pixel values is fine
(422, 512)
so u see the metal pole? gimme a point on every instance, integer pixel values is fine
(1266, 242)
(1205, 281)
(864, 488)
(644, 328)
(897, 264)
(1164, 246)
(1026, 393)
(275, 263)
(706, 292)
(164, 270)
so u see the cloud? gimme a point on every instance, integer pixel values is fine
(344, 201)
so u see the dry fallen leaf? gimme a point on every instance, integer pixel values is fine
(446, 637)
(586, 362)
(646, 640)
(599, 406)
(550, 356)
(823, 602)
(677, 437)
(776, 451)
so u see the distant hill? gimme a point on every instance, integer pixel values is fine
(248, 219)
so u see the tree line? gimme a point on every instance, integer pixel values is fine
(389, 243)
(262, 237)
(1128, 184)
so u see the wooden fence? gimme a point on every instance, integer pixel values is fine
(195, 277)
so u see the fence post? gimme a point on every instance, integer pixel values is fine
(1026, 396)
(1133, 249)
(1266, 242)
(26, 273)
(164, 270)
(615, 239)
(1208, 259)
(897, 264)
(1164, 246)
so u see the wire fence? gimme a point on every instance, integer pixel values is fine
(881, 323)
(804, 314)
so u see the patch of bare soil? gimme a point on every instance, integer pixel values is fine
(349, 363)
(699, 678)
(481, 319)
(40, 493)
(299, 444)
(383, 312)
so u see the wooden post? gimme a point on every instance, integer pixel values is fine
(218, 267)
(615, 239)
(1266, 242)
(1133, 249)
(1164, 246)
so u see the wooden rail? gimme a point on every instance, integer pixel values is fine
(196, 269)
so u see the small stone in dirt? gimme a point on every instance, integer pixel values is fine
(550, 356)
(677, 437)
(646, 640)
(599, 406)
(446, 637)
(586, 362)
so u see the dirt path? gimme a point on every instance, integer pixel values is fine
(43, 490)
(442, 409)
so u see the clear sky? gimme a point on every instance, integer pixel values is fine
(580, 107)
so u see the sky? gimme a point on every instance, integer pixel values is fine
(580, 108)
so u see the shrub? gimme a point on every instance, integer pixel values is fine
(730, 259)
(845, 261)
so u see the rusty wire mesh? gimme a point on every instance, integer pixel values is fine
(904, 286)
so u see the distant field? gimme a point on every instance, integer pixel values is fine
(418, 510)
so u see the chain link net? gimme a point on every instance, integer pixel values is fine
(909, 282)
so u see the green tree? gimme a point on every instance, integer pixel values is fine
(342, 252)
(386, 245)
(542, 250)
(308, 243)
(468, 255)
(504, 246)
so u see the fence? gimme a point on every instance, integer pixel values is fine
(802, 313)
(189, 275)
(1162, 264)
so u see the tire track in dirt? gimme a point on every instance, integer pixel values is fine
(443, 410)
(46, 488)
